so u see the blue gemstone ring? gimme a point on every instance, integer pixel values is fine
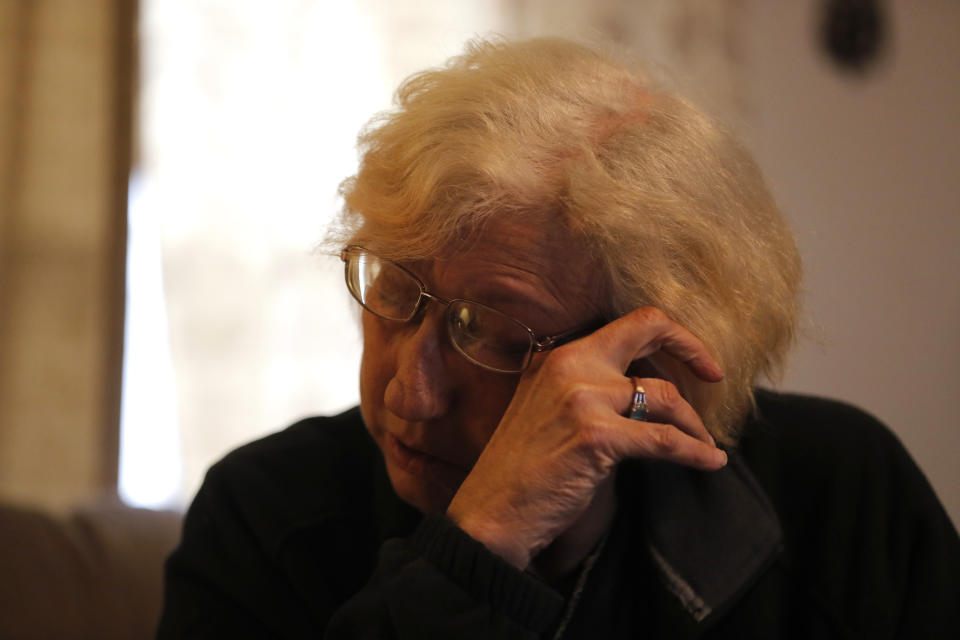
(638, 410)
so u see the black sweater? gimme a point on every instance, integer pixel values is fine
(820, 527)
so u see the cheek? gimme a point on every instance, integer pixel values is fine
(375, 368)
(485, 404)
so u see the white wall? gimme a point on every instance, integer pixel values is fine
(866, 168)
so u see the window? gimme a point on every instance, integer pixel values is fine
(236, 326)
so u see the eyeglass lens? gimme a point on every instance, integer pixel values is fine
(382, 287)
(483, 335)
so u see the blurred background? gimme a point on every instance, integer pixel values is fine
(167, 168)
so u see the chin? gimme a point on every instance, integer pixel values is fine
(425, 496)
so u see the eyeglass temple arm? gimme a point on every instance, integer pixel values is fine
(551, 342)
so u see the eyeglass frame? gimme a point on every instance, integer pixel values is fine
(538, 344)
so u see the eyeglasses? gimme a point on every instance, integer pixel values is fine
(486, 337)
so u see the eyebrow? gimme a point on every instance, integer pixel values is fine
(502, 298)
(500, 293)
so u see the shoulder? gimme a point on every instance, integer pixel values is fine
(782, 413)
(291, 518)
(821, 459)
(313, 447)
(317, 468)
(808, 448)
(819, 439)
(860, 521)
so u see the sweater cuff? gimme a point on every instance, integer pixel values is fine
(485, 575)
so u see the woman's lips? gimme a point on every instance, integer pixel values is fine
(418, 463)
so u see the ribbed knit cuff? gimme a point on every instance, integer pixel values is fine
(485, 575)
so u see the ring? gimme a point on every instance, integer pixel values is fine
(638, 410)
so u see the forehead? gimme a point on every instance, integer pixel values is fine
(514, 261)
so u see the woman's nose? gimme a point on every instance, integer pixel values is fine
(420, 387)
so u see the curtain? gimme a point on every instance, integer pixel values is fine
(66, 78)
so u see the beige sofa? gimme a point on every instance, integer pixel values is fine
(96, 573)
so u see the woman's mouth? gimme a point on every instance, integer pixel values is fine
(419, 463)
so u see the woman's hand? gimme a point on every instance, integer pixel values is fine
(564, 432)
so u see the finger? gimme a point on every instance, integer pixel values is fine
(666, 405)
(658, 441)
(647, 330)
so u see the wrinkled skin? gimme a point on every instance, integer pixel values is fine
(524, 463)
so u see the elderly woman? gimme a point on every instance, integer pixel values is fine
(571, 282)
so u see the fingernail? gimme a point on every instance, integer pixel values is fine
(721, 457)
